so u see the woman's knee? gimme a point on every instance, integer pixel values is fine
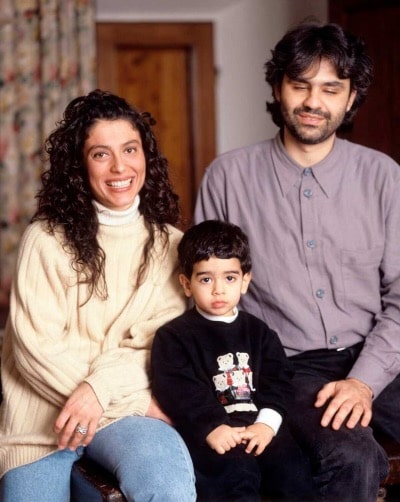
(46, 479)
(149, 459)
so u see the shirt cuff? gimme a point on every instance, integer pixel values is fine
(271, 418)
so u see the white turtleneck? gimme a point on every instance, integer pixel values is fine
(112, 218)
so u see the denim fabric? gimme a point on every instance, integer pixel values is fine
(147, 456)
(46, 480)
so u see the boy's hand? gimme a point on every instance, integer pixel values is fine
(258, 436)
(224, 438)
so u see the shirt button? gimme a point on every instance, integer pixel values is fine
(307, 193)
(320, 293)
(307, 171)
(311, 244)
(333, 340)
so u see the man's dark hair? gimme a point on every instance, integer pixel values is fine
(213, 238)
(309, 43)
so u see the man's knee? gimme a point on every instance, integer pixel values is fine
(352, 469)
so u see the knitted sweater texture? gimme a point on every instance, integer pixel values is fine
(54, 340)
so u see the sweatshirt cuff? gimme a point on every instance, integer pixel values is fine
(269, 417)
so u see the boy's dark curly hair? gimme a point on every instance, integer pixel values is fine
(213, 238)
(309, 43)
(65, 199)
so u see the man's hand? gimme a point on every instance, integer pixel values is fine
(351, 399)
(257, 436)
(81, 409)
(224, 438)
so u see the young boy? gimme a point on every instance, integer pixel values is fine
(219, 373)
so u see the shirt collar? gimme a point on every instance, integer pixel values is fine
(226, 319)
(327, 172)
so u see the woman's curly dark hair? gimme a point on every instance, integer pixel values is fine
(311, 42)
(65, 199)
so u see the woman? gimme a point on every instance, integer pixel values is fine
(96, 276)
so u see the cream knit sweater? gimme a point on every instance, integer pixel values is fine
(51, 344)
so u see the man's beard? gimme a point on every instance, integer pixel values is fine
(310, 134)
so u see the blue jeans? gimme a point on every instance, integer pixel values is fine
(147, 456)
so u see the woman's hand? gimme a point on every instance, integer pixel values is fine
(81, 409)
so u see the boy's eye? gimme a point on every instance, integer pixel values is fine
(230, 278)
(205, 280)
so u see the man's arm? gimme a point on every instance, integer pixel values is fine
(379, 361)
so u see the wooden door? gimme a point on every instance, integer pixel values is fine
(166, 69)
(377, 123)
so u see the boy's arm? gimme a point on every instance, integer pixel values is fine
(271, 418)
(184, 393)
(274, 390)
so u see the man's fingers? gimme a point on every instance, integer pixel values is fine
(340, 415)
(325, 394)
(351, 403)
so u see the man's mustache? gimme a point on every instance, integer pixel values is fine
(312, 111)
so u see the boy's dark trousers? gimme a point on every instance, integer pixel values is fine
(237, 476)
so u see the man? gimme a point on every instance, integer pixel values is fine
(323, 218)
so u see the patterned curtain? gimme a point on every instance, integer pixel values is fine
(47, 57)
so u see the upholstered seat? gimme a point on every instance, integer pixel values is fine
(91, 482)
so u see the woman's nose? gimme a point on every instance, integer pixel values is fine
(117, 165)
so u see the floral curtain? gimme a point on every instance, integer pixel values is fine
(47, 57)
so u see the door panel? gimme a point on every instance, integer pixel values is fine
(377, 123)
(155, 81)
(167, 70)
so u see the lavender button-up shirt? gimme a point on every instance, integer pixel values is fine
(325, 245)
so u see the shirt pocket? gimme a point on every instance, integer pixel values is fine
(361, 278)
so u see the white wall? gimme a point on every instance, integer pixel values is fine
(245, 31)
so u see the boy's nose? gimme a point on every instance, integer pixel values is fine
(218, 288)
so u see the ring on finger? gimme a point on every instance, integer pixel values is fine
(81, 429)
